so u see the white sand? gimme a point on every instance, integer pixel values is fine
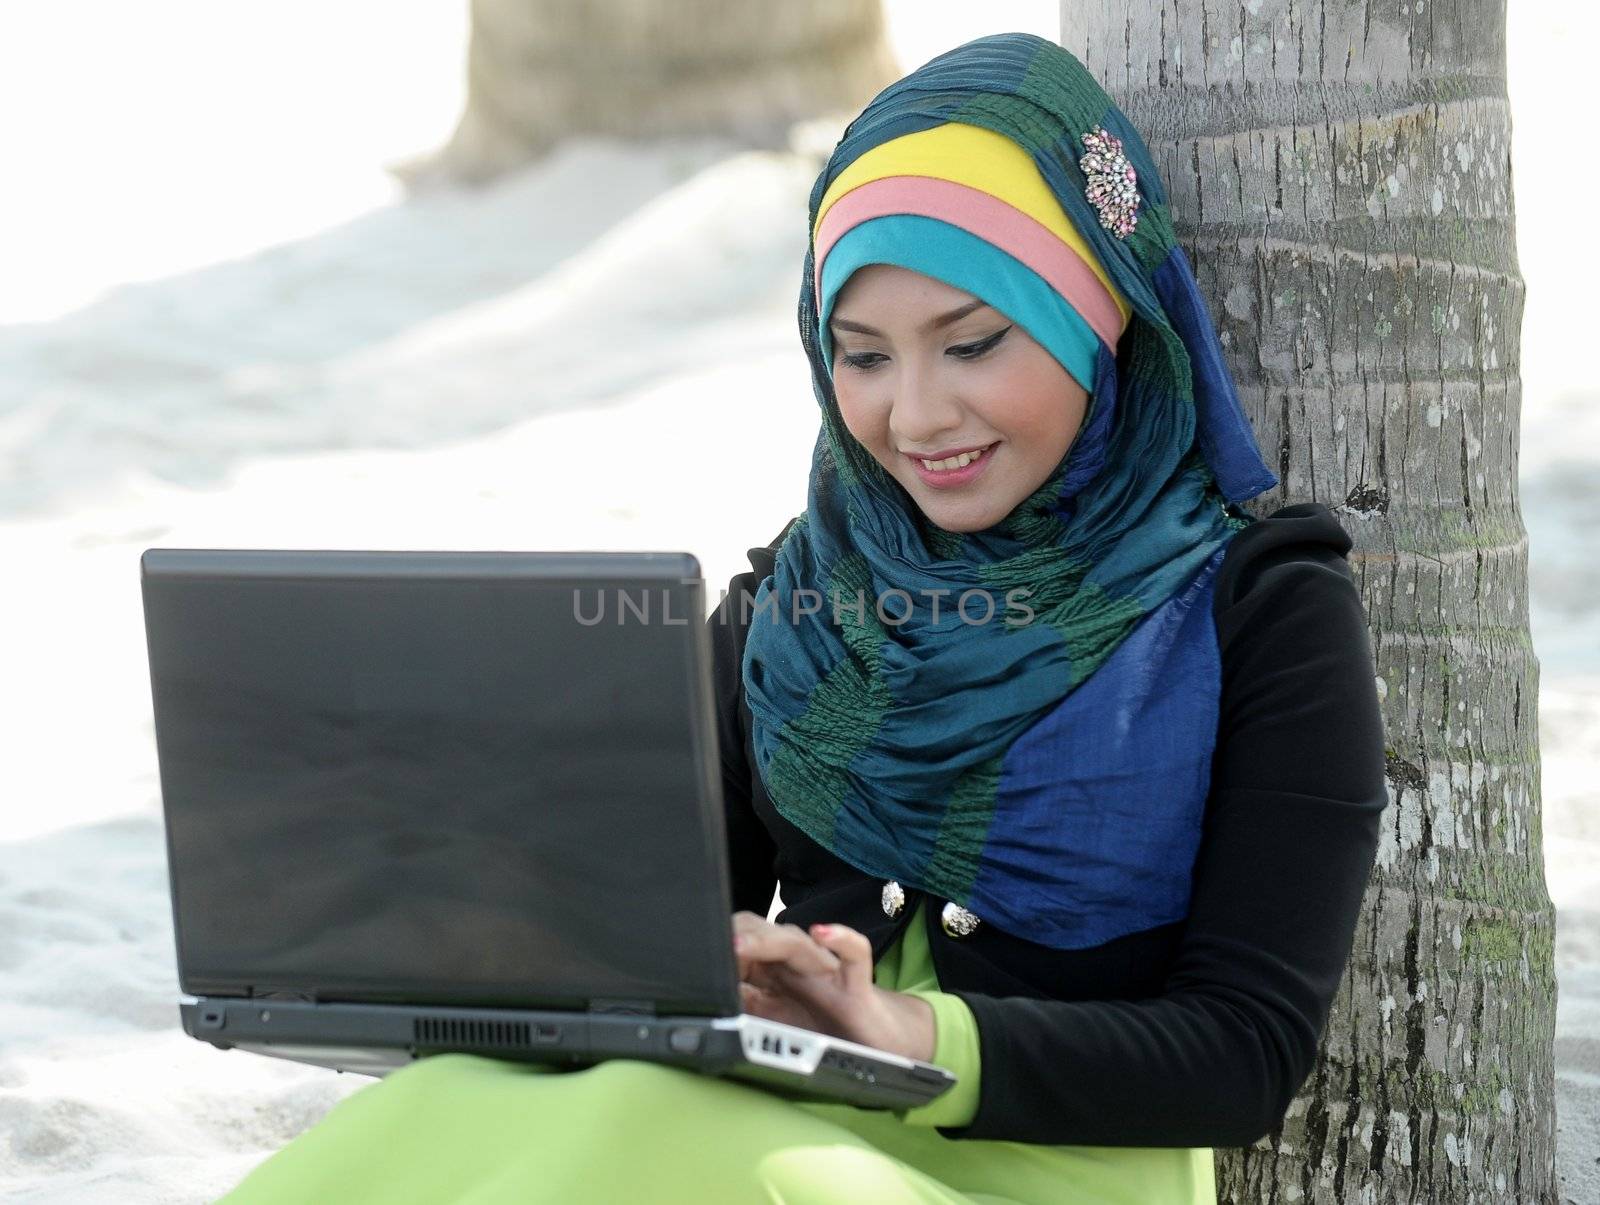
(305, 363)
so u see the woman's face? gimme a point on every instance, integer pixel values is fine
(920, 367)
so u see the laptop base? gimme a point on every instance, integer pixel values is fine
(375, 1039)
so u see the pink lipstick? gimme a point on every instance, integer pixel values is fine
(952, 478)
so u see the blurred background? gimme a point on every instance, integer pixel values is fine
(297, 277)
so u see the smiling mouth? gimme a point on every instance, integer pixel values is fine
(952, 463)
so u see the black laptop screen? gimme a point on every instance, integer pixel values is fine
(438, 789)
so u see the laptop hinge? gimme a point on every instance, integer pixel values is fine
(260, 992)
(630, 1008)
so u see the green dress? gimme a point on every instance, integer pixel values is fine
(479, 1131)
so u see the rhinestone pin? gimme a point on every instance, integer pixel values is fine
(957, 921)
(894, 898)
(1113, 186)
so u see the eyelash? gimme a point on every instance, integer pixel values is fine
(859, 361)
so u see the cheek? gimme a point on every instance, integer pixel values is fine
(858, 412)
(1042, 407)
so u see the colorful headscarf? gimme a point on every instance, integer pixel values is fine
(967, 206)
(976, 760)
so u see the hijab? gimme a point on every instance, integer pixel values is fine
(1039, 756)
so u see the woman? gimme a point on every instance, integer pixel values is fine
(1070, 783)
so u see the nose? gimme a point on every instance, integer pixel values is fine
(924, 408)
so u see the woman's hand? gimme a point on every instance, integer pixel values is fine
(822, 980)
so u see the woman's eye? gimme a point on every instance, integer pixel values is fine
(862, 360)
(971, 351)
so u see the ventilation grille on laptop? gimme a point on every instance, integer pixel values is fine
(444, 1031)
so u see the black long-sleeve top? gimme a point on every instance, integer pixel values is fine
(1195, 1033)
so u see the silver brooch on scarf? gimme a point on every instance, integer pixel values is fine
(957, 921)
(1113, 185)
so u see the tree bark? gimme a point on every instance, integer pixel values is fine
(1339, 173)
(540, 70)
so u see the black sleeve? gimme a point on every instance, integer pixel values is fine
(1288, 841)
(751, 852)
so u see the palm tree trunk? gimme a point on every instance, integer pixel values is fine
(1340, 176)
(540, 70)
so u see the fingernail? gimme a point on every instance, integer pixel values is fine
(822, 930)
(739, 943)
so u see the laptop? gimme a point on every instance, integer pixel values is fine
(420, 801)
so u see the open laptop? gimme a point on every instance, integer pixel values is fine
(459, 801)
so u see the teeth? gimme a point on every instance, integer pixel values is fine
(955, 462)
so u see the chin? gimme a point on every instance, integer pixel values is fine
(959, 520)
(961, 524)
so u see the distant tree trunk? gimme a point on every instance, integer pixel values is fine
(539, 70)
(1340, 175)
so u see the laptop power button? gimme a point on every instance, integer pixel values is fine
(684, 1041)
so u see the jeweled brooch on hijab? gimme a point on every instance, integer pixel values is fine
(1113, 187)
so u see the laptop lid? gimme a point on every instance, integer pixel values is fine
(471, 778)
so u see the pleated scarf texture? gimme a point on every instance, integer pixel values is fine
(905, 735)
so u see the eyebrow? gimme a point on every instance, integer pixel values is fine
(931, 324)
